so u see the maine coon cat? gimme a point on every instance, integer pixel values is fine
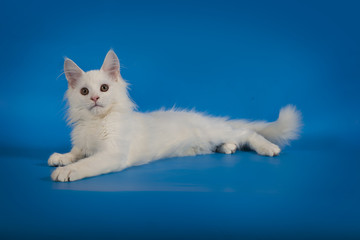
(109, 135)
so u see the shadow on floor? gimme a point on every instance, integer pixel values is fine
(26, 152)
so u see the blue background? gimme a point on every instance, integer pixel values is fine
(243, 59)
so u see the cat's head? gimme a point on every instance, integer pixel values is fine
(96, 92)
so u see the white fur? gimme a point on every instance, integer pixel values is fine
(114, 136)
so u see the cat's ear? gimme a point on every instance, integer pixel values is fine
(72, 72)
(111, 65)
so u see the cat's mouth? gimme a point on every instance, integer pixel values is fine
(95, 106)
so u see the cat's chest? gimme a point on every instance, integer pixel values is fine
(89, 136)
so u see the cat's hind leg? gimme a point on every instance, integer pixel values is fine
(262, 146)
(227, 148)
(255, 141)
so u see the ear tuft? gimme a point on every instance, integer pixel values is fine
(72, 72)
(111, 65)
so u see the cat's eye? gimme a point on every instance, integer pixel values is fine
(84, 91)
(104, 87)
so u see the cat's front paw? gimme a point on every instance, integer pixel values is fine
(57, 159)
(268, 149)
(66, 174)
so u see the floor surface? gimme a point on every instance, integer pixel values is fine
(310, 191)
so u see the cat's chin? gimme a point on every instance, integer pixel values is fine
(97, 110)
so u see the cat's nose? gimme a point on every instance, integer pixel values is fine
(94, 98)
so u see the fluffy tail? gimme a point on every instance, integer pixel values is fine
(284, 129)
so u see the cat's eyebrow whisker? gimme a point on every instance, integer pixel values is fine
(60, 75)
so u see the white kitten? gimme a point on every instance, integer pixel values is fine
(108, 135)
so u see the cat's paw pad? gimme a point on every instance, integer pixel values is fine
(57, 159)
(227, 148)
(66, 174)
(268, 149)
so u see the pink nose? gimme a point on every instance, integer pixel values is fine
(94, 98)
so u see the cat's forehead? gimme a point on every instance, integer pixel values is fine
(95, 77)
